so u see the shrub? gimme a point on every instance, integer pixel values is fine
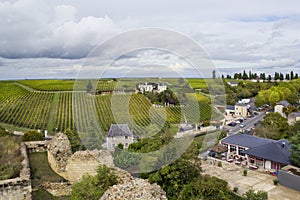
(33, 136)
(276, 181)
(93, 187)
(235, 189)
(219, 164)
(245, 172)
(10, 157)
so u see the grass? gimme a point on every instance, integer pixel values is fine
(41, 171)
(11, 127)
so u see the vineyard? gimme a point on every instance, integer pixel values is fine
(56, 111)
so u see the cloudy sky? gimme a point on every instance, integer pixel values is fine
(53, 38)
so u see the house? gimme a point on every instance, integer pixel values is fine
(119, 134)
(293, 118)
(257, 152)
(241, 110)
(238, 109)
(229, 110)
(279, 107)
(233, 84)
(152, 87)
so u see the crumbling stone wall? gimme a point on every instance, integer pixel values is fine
(135, 189)
(59, 152)
(18, 188)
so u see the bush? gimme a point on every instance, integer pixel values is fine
(33, 136)
(235, 189)
(93, 187)
(3, 132)
(276, 181)
(245, 172)
(219, 164)
(10, 157)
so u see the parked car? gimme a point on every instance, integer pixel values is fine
(242, 125)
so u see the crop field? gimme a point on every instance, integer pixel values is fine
(60, 109)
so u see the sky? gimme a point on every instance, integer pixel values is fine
(55, 38)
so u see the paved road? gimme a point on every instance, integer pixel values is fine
(249, 123)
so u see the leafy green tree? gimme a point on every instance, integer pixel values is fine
(252, 195)
(274, 126)
(93, 188)
(33, 136)
(74, 140)
(245, 76)
(173, 177)
(295, 149)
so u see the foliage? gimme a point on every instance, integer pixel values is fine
(295, 149)
(274, 126)
(235, 189)
(10, 157)
(33, 136)
(252, 195)
(166, 96)
(283, 91)
(93, 187)
(275, 181)
(222, 135)
(172, 178)
(3, 132)
(74, 140)
(219, 164)
(245, 172)
(125, 159)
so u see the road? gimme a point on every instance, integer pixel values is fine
(249, 123)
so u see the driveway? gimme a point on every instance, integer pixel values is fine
(254, 180)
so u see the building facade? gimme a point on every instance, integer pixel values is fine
(257, 152)
(119, 134)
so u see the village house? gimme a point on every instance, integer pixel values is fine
(238, 110)
(279, 107)
(293, 118)
(119, 134)
(151, 87)
(233, 84)
(257, 152)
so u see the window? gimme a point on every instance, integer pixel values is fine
(126, 144)
(114, 145)
(232, 148)
(126, 137)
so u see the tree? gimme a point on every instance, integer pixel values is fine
(287, 77)
(269, 78)
(89, 87)
(292, 75)
(295, 149)
(93, 188)
(214, 74)
(274, 126)
(252, 195)
(33, 136)
(228, 76)
(245, 76)
(74, 140)
(281, 76)
(3, 132)
(296, 76)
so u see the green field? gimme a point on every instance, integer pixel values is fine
(51, 106)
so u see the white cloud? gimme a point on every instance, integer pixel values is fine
(236, 34)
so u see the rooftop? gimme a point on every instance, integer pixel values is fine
(119, 130)
(285, 103)
(278, 151)
(244, 140)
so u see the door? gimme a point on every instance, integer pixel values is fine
(268, 164)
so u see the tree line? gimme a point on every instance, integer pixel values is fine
(263, 76)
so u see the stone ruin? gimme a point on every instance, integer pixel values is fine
(138, 189)
(73, 167)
